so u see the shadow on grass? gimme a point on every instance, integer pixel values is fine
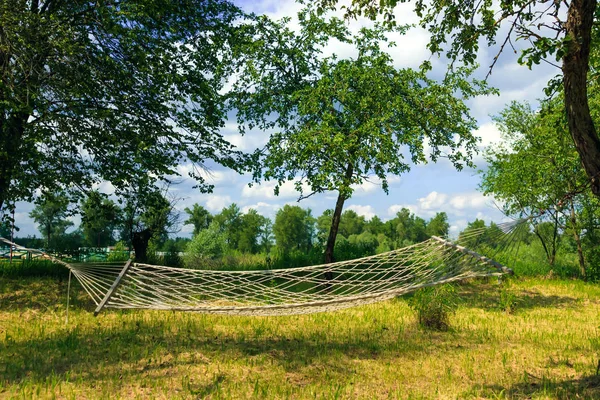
(41, 294)
(587, 387)
(122, 343)
(132, 346)
(487, 296)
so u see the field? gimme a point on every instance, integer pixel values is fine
(548, 347)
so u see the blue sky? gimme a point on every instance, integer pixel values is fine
(425, 190)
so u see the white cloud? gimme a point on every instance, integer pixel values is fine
(367, 211)
(216, 203)
(265, 209)
(433, 201)
(489, 134)
(266, 190)
(104, 187)
(457, 205)
(372, 184)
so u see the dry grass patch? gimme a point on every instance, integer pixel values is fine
(546, 348)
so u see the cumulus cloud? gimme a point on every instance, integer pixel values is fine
(367, 211)
(456, 205)
(263, 208)
(266, 190)
(372, 184)
(215, 203)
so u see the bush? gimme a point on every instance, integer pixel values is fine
(205, 248)
(120, 253)
(434, 305)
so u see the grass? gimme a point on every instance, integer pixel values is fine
(547, 347)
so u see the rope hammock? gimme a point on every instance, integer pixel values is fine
(300, 290)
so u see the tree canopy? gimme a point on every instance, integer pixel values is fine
(340, 122)
(100, 218)
(122, 91)
(50, 213)
(562, 31)
(536, 172)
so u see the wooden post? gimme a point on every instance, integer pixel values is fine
(112, 289)
(473, 254)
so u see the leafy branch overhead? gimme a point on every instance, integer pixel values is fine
(122, 91)
(561, 33)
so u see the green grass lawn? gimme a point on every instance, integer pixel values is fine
(547, 348)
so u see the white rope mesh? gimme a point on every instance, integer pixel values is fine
(299, 290)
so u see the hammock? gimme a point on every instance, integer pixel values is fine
(300, 290)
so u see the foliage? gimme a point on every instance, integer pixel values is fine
(119, 253)
(340, 121)
(293, 229)
(100, 217)
(207, 246)
(171, 258)
(148, 216)
(537, 172)
(565, 31)
(252, 226)
(198, 216)
(119, 91)
(438, 225)
(229, 221)
(434, 306)
(50, 213)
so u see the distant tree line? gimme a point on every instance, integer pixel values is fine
(294, 229)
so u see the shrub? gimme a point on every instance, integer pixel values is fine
(120, 253)
(205, 248)
(434, 305)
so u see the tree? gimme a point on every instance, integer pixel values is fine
(340, 121)
(266, 235)
(293, 229)
(205, 248)
(50, 213)
(100, 217)
(323, 225)
(438, 225)
(148, 216)
(351, 223)
(199, 216)
(536, 172)
(458, 27)
(375, 225)
(252, 224)
(409, 227)
(122, 91)
(229, 222)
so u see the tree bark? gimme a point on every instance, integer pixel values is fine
(140, 240)
(335, 220)
(11, 134)
(575, 68)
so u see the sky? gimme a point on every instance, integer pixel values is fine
(425, 190)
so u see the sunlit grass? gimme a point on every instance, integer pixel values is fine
(547, 347)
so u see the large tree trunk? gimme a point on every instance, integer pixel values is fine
(335, 220)
(140, 240)
(333, 231)
(575, 69)
(11, 135)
